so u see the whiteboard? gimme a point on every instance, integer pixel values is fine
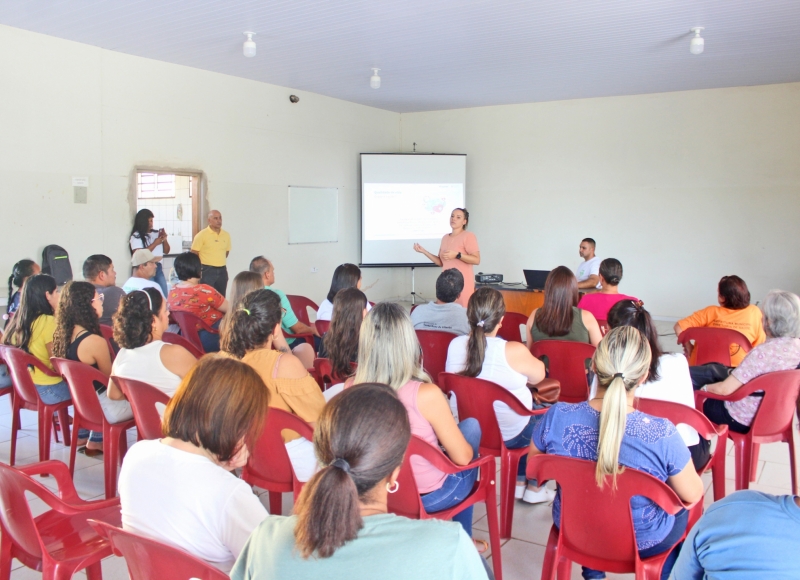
(313, 214)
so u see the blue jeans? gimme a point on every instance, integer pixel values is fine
(524, 440)
(458, 486)
(52, 394)
(681, 519)
(160, 279)
(209, 340)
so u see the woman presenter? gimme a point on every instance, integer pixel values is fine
(459, 250)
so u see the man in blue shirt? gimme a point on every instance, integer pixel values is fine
(747, 535)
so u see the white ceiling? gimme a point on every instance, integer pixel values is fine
(445, 54)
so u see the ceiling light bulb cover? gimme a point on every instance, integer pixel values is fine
(249, 46)
(697, 43)
(375, 80)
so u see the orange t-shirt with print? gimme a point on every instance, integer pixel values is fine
(747, 321)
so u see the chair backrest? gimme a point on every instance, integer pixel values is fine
(608, 536)
(190, 327)
(406, 500)
(566, 364)
(269, 461)
(147, 558)
(510, 330)
(714, 344)
(324, 371)
(776, 412)
(322, 326)
(143, 398)
(80, 378)
(677, 414)
(300, 306)
(434, 345)
(108, 335)
(172, 338)
(16, 519)
(18, 362)
(475, 398)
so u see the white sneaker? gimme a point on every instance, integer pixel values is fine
(544, 495)
(519, 490)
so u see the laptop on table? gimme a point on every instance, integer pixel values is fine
(535, 279)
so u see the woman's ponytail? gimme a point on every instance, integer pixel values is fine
(484, 311)
(613, 417)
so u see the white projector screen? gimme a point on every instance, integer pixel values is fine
(407, 198)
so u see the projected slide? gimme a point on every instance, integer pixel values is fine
(402, 211)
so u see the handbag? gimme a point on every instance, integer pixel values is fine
(546, 392)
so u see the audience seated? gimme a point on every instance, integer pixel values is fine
(254, 336)
(668, 377)
(749, 534)
(99, 271)
(289, 322)
(144, 268)
(599, 303)
(734, 312)
(509, 364)
(243, 283)
(444, 313)
(344, 276)
(341, 528)
(611, 432)
(780, 352)
(560, 318)
(77, 337)
(340, 343)
(389, 353)
(32, 329)
(179, 489)
(202, 300)
(21, 271)
(141, 320)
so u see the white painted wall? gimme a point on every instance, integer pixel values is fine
(681, 187)
(74, 110)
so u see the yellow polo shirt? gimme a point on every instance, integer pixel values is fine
(212, 246)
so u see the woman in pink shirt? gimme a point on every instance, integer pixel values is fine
(459, 250)
(599, 303)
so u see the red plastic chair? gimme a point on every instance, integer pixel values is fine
(147, 558)
(322, 326)
(606, 540)
(604, 328)
(172, 338)
(191, 325)
(510, 328)
(434, 345)
(108, 335)
(678, 413)
(27, 397)
(143, 398)
(59, 542)
(773, 421)
(89, 415)
(407, 502)
(713, 344)
(475, 398)
(8, 390)
(300, 306)
(269, 466)
(323, 373)
(567, 365)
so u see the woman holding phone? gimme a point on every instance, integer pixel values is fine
(143, 236)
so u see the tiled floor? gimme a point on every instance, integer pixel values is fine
(522, 554)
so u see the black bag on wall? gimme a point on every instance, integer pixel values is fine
(55, 261)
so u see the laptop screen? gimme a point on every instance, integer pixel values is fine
(535, 279)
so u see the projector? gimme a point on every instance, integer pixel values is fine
(482, 278)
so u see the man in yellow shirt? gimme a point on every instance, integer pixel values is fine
(213, 244)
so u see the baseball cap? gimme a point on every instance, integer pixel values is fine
(142, 257)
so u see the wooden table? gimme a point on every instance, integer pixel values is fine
(519, 298)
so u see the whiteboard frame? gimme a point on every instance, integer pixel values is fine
(335, 190)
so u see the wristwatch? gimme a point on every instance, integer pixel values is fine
(458, 256)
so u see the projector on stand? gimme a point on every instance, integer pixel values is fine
(482, 278)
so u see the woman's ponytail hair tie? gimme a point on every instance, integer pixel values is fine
(620, 375)
(245, 310)
(342, 464)
(481, 323)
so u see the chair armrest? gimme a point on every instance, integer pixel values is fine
(66, 488)
(441, 462)
(35, 362)
(737, 395)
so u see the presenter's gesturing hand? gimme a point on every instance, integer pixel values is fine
(432, 257)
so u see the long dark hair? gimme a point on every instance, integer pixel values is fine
(243, 283)
(33, 304)
(21, 270)
(74, 309)
(341, 340)
(344, 276)
(251, 323)
(554, 318)
(141, 225)
(133, 323)
(360, 439)
(484, 311)
(632, 313)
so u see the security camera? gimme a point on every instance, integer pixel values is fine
(294, 98)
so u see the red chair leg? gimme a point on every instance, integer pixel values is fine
(55, 427)
(550, 555)
(792, 458)
(73, 446)
(494, 531)
(718, 476)
(743, 463)
(5, 556)
(754, 462)
(508, 482)
(275, 503)
(94, 572)
(45, 427)
(564, 569)
(15, 423)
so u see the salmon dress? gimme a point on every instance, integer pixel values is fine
(466, 243)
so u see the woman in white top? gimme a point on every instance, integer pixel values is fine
(139, 323)
(668, 378)
(143, 236)
(180, 489)
(344, 276)
(509, 364)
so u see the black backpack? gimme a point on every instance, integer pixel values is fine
(55, 261)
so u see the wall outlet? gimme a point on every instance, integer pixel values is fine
(314, 269)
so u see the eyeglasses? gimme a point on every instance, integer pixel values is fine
(283, 312)
(100, 297)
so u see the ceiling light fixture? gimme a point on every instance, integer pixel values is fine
(375, 80)
(249, 46)
(697, 43)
